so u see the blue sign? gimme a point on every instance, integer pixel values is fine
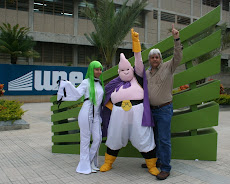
(37, 80)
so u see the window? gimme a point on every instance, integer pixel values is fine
(38, 6)
(58, 8)
(155, 14)
(226, 5)
(68, 8)
(82, 6)
(11, 5)
(86, 54)
(67, 53)
(140, 20)
(54, 7)
(48, 51)
(167, 17)
(2, 4)
(58, 52)
(183, 20)
(38, 48)
(54, 52)
(22, 5)
(212, 3)
(48, 7)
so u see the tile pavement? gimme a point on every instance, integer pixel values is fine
(26, 157)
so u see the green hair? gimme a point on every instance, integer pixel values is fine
(90, 75)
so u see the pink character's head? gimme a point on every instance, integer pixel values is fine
(125, 70)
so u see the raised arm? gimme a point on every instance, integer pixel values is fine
(67, 92)
(139, 66)
(177, 55)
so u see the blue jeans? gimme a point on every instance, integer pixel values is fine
(162, 132)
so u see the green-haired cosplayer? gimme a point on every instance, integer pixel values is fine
(89, 120)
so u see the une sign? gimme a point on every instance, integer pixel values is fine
(37, 80)
(47, 81)
(74, 77)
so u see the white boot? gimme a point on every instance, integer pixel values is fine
(93, 167)
(93, 171)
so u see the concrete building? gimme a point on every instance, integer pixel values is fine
(58, 26)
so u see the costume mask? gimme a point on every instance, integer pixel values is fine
(125, 71)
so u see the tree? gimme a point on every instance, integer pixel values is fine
(225, 43)
(16, 42)
(111, 26)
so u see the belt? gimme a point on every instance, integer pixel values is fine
(93, 105)
(159, 106)
(133, 102)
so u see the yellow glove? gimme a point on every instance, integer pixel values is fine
(136, 41)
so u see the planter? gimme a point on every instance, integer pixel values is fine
(17, 125)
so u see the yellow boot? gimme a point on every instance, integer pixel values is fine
(151, 164)
(109, 159)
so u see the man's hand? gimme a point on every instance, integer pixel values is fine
(175, 32)
(136, 41)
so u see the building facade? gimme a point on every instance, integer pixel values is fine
(58, 27)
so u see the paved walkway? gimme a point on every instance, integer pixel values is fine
(26, 157)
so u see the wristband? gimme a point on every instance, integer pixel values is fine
(177, 39)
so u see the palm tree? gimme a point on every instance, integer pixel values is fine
(225, 44)
(111, 26)
(16, 42)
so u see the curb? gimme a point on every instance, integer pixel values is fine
(16, 125)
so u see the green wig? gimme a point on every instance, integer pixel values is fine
(90, 75)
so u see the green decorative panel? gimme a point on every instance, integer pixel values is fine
(198, 95)
(66, 138)
(195, 113)
(70, 113)
(128, 151)
(65, 127)
(202, 146)
(201, 71)
(205, 116)
(69, 149)
(200, 48)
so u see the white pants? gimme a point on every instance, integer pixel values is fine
(88, 154)
(126, 125)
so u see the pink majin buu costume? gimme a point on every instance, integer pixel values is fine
(129, 120)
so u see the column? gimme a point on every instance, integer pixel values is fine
(191, 11)
(75, 55)
(31, 24)
(146, 27)
(75, 17)
(159, 22)
(201, 8)
(221, 9)
(31, 15)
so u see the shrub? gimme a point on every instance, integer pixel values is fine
(224, 99)
(184, 87)
(10, 110)
(2, 91)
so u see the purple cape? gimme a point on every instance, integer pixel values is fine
(147, 119)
